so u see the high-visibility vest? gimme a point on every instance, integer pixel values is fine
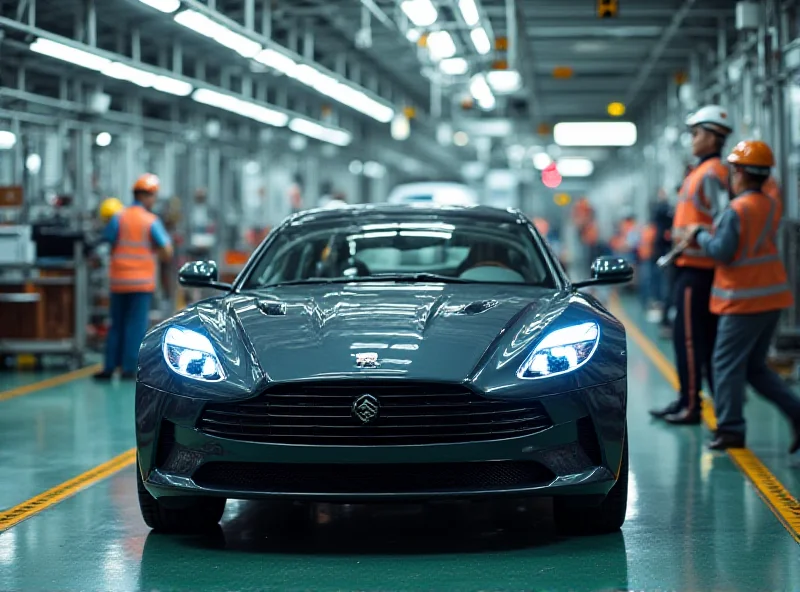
(695, 207)
(755, 281)
(542, 225)
(772, 189)
(647, 242)
(133, 263)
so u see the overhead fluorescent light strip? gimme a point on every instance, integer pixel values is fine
(454, 66)
(163, 5)
(480, 40)
(117, 70)
(69, 54)
(595, 133)
(326, 85)
(320, 132)
(481, 92)
(469, 11)
(233, 104)
(202, 24)
(504, 81)
(441, 45)
(420, 12)
(575, 167)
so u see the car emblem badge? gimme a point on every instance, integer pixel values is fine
(367, 360)
(365, 409)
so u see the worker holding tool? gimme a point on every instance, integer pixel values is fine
(750, 290)
(703, 194)
(136, 236)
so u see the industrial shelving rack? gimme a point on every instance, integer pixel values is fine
(28, 276)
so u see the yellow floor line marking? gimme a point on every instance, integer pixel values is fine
(59, 493)
(50, 382)
(777, 498)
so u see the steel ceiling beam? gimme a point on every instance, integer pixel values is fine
(620, 33)
(657, 51)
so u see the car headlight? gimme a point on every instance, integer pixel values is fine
(561, 351)
(191, 354)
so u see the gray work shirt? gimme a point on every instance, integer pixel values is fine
(723, 244)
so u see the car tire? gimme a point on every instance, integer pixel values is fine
(573, 517)
(183, 515)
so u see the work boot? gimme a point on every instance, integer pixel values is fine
(104, 375)
(670, 409)
(726, 440)
(684, 417)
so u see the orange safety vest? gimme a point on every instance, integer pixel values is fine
(694, 207)
(772, 189)
(133, 262)
(647, 242)
(542, 225)
(755, 281)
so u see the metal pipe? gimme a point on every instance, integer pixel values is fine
(250, 14)
(91, 23)
(511, 18)
(658, 49)
(379, 14)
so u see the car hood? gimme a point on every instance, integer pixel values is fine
(420, 331)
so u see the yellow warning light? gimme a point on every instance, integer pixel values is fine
(423, 40)
(326, 110)
(616, 109)
(500, 65)
(681, 78)
(607, 8)
(562, 72)
(562, 199)
(543, 129)
(409, 112)
(501, 44)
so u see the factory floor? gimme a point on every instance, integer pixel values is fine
(70, 521)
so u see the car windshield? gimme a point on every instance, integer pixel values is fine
(369, 248)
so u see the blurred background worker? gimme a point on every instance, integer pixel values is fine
(703, 194)
(135, 233)
(750, 291)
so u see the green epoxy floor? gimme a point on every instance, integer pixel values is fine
(694, 522)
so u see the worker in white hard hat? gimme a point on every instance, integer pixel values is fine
(703, 195)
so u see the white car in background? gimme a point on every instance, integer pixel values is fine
(439, 193)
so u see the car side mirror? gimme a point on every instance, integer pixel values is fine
(608, 270)
(201, 274)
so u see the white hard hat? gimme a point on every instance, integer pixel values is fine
(714, 117)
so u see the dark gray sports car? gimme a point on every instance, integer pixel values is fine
(388, 353)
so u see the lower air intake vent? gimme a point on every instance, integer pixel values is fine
(372, 478)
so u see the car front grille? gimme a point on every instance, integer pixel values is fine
(372, 478)
(406, 413)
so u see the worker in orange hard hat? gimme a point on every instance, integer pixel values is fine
(137, 237)
(750, 290)
(703, 194)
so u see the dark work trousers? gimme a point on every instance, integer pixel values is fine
(668, 285)
(130, 315)
(694, 332)
(740, 357)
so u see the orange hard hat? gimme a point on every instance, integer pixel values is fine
(752, 153)
(148, 183)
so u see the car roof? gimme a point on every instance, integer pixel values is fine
(475, 212)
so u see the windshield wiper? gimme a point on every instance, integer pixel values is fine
(416, 277)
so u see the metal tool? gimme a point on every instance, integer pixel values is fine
(673, 254)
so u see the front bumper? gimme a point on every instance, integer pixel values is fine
(579, 454)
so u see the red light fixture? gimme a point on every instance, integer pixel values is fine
(551, 177)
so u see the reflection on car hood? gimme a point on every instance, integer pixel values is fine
(422, 331)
